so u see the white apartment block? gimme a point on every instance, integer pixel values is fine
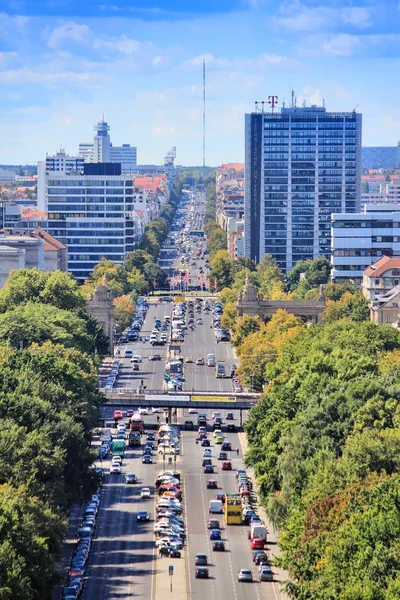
(359, 239)
(102, 150)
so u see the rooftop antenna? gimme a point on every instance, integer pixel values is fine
(304, 103)
(293, 99)
(283, 103)
(323, 102)
(204, 113)
(354, 109)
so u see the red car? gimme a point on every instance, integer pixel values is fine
(227, 465)
(117, 415)
(212, 484)
(220, 497)
(257, 544)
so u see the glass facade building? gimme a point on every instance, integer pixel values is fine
(95, 217)
(301, 165)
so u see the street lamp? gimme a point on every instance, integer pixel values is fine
(252, 381)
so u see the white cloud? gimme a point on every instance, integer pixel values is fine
(68, 32)
(341, 44)
(295, 16)
(310, 95)
(37, 77)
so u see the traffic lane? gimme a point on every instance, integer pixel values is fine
(198, 497)
(122, 552)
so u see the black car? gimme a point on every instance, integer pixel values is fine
(218, 546)
(189, 425)
(201, 559)
(155, 357)
(202, 573)
(230, 427)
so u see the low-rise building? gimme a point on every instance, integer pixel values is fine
(381, 277)
(385, 308)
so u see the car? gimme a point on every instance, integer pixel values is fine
(213, 524)
(227, 465)
(189, 425)
(129, 413)
(199, 321)
(258, 555)
(192, 411)
(220, 497)
(188, 359)
(201, 573)
(207, 452)
(115, 468)
(151, 436)
(155, 357)
(200, 361)
(117, 415)
(142, 515)
(230, 427)
(154, 410)
(128, 353)
(143, 410)
(222, 456)
(136, 358)
(229, 416)
(135, 367)
(266, 574)
(257, 544)
(208, 468)
(130, 478)
(215, 534)
(169, 551)
(205, 443)
(212, 484)
(218, 546)
(245, 575)
(226, 446)
(147, 460)
(201, 559)
(145, 493)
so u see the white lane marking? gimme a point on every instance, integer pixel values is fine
(153, 585)
(189, 580)
(205, 524)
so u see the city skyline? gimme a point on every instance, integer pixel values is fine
(64, 65)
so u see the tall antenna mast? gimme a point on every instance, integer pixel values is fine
(204, 113)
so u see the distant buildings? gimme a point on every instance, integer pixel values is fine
(102, 150)
(230, 205)
(301, 165)
(381, 157)
(381, 277)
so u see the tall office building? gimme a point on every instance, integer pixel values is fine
(97, 213)
(301, 165)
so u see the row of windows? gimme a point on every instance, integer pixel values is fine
(82, 192)
(90, 182)
(365, 224)
(308, 123)
(89, 209)
(93, 258)
(76, 215)
(369, 252)
(95, 234)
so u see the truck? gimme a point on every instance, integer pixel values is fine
(134, 438)
(258, 530)
(118, 447)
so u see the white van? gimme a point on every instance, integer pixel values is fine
(215, 506)
(211, 360)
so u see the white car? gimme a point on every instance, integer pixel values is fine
(143, 410)
(145, 493)
(207, 453)
(192, 411)
(136, 358)
(172, 540)
(116, 459)
(156, 409)
(115, 468)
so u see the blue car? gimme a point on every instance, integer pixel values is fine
(205, 443)
(215, 534)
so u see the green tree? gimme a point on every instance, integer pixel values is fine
(221, 269)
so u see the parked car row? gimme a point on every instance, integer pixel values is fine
(77, 568)
(131, 334)
(169, 529)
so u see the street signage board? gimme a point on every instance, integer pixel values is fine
(179, 299)
(171, 570)
(160, 397)
(214, 398)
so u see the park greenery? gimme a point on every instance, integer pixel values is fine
(49, 347)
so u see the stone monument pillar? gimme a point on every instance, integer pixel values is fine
(100, 305)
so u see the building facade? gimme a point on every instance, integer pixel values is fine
(360, 239)
(381, 277)
(301, 165)
(95, 216)
(381, 157)
(101, 150)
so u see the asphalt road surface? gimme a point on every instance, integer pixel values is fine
(122, 563)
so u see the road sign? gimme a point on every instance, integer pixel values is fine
(161, 397)
(169, 459)
(171, 570)
(214, 398)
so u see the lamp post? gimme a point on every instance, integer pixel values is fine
(252, 381)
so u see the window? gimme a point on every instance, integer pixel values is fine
(376, 281)
(388, 318)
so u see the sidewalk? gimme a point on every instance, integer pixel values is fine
(280, 576)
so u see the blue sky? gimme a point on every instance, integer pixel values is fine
(64, 63)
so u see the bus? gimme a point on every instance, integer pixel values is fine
(118, 447)
(233, 509)
(137, 423)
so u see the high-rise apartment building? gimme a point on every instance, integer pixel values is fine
(94, 215)
(301, 165)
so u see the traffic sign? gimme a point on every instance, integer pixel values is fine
(169, 397)
(171, 570)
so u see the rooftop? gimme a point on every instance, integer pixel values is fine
(383, 264)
